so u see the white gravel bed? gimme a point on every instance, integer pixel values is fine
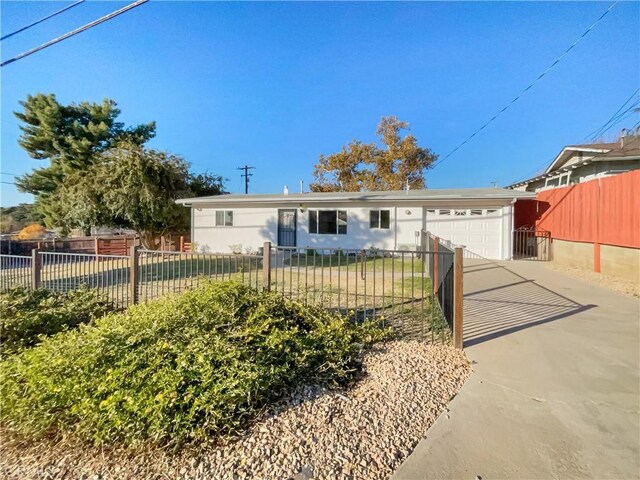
(363, 433)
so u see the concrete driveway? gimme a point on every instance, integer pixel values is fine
(556, 386)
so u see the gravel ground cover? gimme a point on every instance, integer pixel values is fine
(362, 433)
(620, 285)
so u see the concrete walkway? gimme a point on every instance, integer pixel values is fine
(555, 391)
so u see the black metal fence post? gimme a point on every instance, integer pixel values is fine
(134, 271)
(266, 266)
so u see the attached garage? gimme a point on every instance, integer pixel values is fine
(479, 230)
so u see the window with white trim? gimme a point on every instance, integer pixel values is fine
(224, 218)
(379, 218)
(328, 222)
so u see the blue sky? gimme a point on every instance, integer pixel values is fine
(276, 84)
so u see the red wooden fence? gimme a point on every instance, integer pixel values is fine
(602, 211)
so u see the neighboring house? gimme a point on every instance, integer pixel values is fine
(581, 163)
(481, 219)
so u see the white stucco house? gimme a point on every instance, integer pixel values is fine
(481, 219)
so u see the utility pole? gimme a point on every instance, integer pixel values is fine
(246, 176)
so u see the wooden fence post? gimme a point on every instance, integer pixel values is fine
(134, 279)
(181, 243)
(266, 266)
(36, 268)
(458, 297)
(96, 245)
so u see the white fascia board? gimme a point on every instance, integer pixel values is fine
(565, 150)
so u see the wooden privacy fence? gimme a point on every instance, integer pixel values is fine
(605, 211)
(418, 293)
(104, 245)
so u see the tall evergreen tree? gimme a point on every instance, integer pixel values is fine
(134, 187)
(71, 137)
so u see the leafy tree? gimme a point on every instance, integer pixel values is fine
(70, 137)
(17, 217)
(134, 187)
(366, 166)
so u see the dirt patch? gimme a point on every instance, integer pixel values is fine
(365, 432)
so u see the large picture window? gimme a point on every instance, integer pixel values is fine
(224, 218)
(328, 222)
(378, 218)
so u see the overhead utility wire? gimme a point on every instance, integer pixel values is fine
(75, 32)
(597, 130)
(616, 119)
(604, 126)
(529, 87)
(595, 156)
(42, 19)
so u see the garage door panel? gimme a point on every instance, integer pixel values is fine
(479, 233)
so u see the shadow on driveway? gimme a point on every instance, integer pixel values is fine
(510, 304)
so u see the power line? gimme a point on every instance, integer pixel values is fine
(42, 19)
(7, 173)
(616, 118)
(8, 183)
(246, 176)
(598, 155)
(629, 112)
(75, 32)
(597, 130)
(529, 87)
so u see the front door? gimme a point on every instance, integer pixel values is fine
(287, 228)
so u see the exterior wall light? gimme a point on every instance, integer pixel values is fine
(301, 207)
(408, 212)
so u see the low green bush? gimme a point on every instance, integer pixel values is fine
(26, 316)
(180, 369)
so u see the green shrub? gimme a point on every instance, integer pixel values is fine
(179, 369)
(26, 316)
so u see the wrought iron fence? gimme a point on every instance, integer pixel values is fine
(410, 291)
(441, 263)
(392, 286)
(15, 270)
(61, 272)
(531, 243)
(160, 273)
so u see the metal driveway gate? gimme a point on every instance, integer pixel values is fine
(531, 243)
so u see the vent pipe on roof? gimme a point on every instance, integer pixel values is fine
(623, 134)
(286, 190)
(301, 186)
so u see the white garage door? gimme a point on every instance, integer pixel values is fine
(478, 230)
